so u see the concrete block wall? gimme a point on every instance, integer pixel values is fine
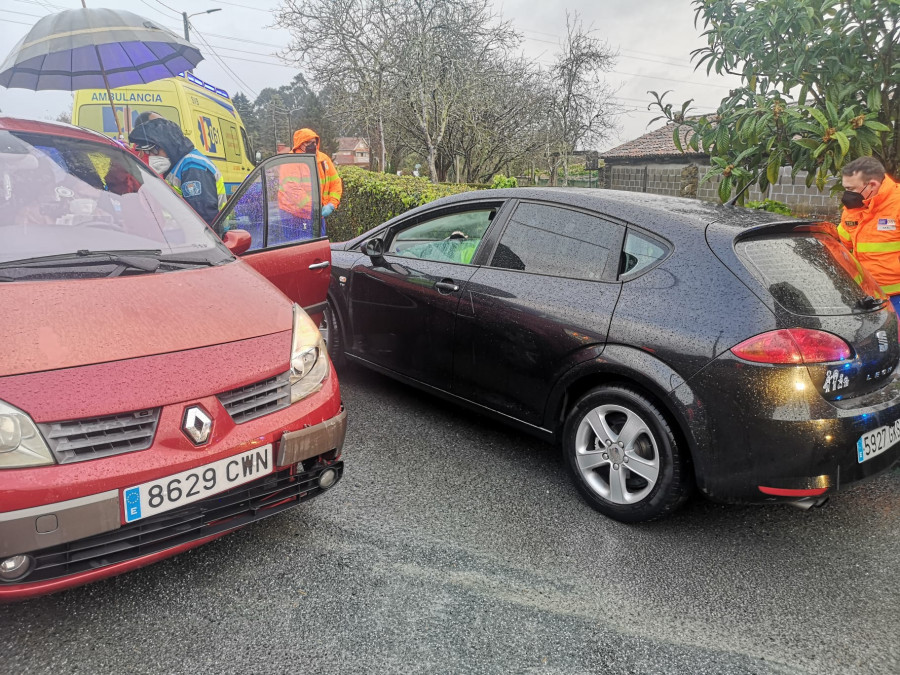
(672, 179)
(629, 178)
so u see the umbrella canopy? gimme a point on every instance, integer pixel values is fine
(95, 48)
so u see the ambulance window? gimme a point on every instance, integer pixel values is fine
(248, 148)
(166, 111)
(100, 118)
(232, 142)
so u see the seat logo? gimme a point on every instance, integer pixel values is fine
(197, 424)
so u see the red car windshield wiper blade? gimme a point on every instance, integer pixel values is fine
(138, 257)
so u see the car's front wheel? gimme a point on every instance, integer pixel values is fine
(623, 456)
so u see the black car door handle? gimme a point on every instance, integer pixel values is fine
(446, 286)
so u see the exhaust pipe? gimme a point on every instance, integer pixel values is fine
(809, 502)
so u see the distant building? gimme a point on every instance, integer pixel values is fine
(352, 152)
(652, 163)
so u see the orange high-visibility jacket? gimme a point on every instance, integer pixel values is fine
(872, 233)
(330, 183)
(294, 190)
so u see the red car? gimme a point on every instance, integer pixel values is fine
(156, 391)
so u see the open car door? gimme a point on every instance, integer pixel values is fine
(279, 205)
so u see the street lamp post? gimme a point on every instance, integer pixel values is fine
(187, 24)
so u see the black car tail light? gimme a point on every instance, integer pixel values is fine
(793, 346)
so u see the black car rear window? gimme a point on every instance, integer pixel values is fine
(812, 274)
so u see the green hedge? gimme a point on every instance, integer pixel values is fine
(373, 198)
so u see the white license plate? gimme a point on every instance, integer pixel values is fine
(192, 485)
(873, 443)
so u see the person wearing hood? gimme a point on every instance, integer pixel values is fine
(870, 220)
(307, 141)
(190, 173)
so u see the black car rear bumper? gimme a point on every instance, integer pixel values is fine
(765, 434)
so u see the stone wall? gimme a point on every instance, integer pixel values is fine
(684, 181)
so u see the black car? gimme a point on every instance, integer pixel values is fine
(663, 342)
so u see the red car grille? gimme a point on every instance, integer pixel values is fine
(258, 399)
(81, 440)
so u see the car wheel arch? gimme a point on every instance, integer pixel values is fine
(585, 377)
(336, 306)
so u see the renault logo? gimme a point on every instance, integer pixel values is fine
(197, 424)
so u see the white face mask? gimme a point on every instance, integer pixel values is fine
(160, 164)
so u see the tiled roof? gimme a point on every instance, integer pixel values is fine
(656, 143)
(349, 143)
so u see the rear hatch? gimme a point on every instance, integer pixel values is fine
(810, 280)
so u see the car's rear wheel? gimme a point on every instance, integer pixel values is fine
(623, 456)
(330, 330)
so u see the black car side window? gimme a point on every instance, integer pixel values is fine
(640, 252)
(450, 238)
(556, 241)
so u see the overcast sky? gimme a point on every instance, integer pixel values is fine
(654, 39)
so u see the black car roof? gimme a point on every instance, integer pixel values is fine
(662, 214)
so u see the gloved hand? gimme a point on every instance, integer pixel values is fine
(327, 210)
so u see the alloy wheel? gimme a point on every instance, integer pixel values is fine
(617, 454)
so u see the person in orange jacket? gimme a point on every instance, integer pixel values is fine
(870, 222)
(307, 141)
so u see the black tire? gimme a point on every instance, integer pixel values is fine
(642, 477)
(331, 331)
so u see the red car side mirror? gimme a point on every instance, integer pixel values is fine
(237, 241)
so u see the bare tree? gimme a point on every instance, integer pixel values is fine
(357, 58)
(446, 48)
(582, 113)
(439, 79)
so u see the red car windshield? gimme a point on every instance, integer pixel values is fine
(60, 195)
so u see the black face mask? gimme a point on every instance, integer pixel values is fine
(852, 200)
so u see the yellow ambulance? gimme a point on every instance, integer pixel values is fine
(205, 113)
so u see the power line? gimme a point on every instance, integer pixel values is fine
(245, 40)
(171, 9)
(236, 4)
(12, 11)
(224, 65)
(21, 23)
(158, 11)
(670, 79)
(42, 4)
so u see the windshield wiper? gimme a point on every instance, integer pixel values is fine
(190, 262)
(136, 259)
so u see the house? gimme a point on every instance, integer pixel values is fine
(352, 151)
(652, 163)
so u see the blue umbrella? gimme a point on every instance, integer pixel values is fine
(95, 48)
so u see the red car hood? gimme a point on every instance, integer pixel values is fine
(62, 324)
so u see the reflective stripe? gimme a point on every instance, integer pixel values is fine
(220, 191)
(859, 275)
(892, 289)
(843, 232)
(331, 179)
(878, 246)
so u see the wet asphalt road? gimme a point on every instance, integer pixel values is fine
(454, 545)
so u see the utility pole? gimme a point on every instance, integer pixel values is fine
(187, 24)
